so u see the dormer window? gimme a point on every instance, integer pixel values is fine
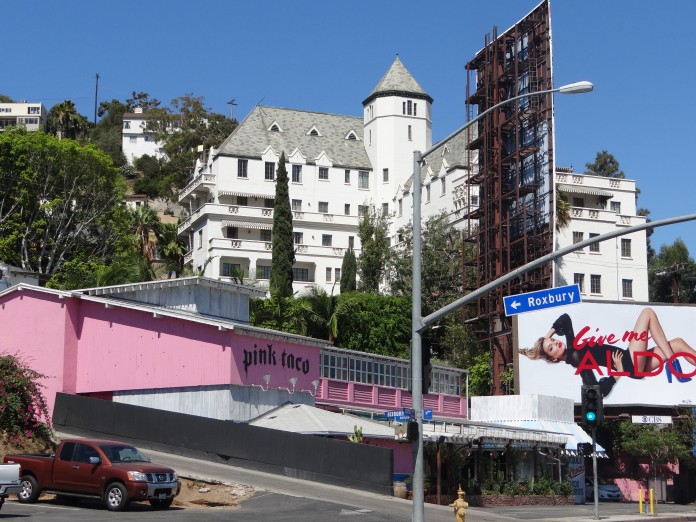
(313, 132)
(352, 136)
(274, 127)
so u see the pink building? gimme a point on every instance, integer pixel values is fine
(186, 345)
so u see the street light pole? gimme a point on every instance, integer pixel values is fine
(417, 323)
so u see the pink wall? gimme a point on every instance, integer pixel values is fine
(33, 326)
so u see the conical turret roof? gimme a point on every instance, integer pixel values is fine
(398, 82)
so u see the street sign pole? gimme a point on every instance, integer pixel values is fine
(594, 472)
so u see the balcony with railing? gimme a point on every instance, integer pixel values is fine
(202, 182)
(606, 216)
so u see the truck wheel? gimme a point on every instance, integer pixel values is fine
(161, 504)
(116, 497)
(30, 490)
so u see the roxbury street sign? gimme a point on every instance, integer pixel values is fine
(560, 296)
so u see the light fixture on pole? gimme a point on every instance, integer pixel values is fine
(417, 322)
(293, 381)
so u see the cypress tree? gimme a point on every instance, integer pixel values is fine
(349, 270)
(283, 254)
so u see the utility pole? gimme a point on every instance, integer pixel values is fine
(232, 103)
(96, 96)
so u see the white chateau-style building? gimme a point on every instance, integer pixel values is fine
(32, 115)
(339, 166)
(613, 270)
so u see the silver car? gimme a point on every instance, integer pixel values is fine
(606, 490)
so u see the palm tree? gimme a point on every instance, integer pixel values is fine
(562, 209)
(172, 249)
(65, 121)
(145, 225)
(322, 312)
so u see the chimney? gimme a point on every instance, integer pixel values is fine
(138, 110)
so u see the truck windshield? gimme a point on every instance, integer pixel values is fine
(122, 453)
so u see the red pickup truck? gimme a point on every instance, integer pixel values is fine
(114, 472)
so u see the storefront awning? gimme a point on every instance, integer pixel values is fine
(248, 225)
(482, 433)
(245, 194)
(577, 189)
(573, 433)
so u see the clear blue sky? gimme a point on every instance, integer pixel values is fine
(327, 56)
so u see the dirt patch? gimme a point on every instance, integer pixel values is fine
(196, 494)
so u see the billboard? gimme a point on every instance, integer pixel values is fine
(637, 353)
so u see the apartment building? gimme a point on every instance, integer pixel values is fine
(135, 141)
(613, 270)
(32, 115)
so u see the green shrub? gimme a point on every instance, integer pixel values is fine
(543, 486)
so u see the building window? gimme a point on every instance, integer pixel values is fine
(324, 173)
(34, 110)
(132, 139)
(126, 125)
(228, 269)
(326, 240)
(232, 233)
(363, 210)
(595, 246)
(328, 274)
(263, 272)
(401, 207)
(300, 274)
(265, 235)
(595, 284)
(243, 201)
(410, 135)
(351, 242)
(269, 174)
(474, 200)
(627, 288)
(297, 173)
(363, 179)
(324, 206)
(200, 239)
(346, 177)
(385, 209)
(427, 193)
(346, 209)
(615, 206)
(415, 109)
(578, 202)
(242, 166)
(443, 186)
(409, 107)
(268, 203)
(297, 205)
(579, 279)
(625, 247)
(337, 274)
(385, 175)
(297, 238)
(577, 236)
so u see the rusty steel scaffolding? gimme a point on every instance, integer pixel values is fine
(514, 145)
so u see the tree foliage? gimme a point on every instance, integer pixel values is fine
(60, 202)
(63, 121)
(672, 275)
(23, 408)
(375, 251)
(605, 164)
(283, 250)
(183, 126)
(107, 133)
(349, 272)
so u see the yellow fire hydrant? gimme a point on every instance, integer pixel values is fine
(460, 506)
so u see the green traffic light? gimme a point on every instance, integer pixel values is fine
(590, 416)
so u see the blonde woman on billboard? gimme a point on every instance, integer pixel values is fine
(636, 361)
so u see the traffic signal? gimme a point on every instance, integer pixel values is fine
(412, 431)
(592, 406)
(427, 368)
(585, 449)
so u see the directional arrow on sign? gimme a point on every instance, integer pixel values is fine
(529, 302)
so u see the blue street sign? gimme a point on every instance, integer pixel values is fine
(427, 414)
(532, 301)
(395, 413)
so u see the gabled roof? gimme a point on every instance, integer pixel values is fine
(398, 82)
(253, 136)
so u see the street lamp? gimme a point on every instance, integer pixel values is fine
(416, 319)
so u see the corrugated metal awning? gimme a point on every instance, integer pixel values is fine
(578, 189)
(248, 224)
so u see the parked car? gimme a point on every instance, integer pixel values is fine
(114, 472)
(9, 481)
(606, 490)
